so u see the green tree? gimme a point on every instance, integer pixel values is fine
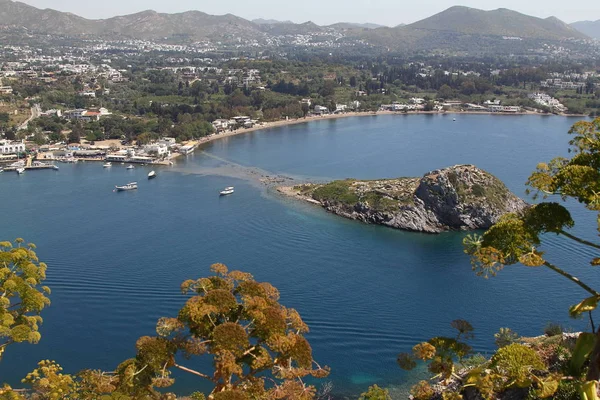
(445, 92)
(516, 239)
(22, 296)
(256, 345)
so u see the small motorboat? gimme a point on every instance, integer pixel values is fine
(130, 166)
(107, 165)
(151, 175)
(129, 186)
(20, 170)
(226, 191)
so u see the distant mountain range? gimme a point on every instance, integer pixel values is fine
(451, 26)
(590, 28)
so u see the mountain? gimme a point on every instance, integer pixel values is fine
(457, 28)
(145, 25)
(590, 28)
(289, 28)
(471, 30)
(193, 24)
(500, 22)
(261, 21)
(353, 25)
(23, 15)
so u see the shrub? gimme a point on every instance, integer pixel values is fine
(375, 393)
(504, 337)
(553, 329)
(516, 362)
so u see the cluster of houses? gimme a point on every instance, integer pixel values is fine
(546, 100)
(560, 84)
(162, 149)
(222, 125)
(418, 104)
(83, 114)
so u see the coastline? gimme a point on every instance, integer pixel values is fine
(275, 124)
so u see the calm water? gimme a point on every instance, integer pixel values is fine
(116, 259)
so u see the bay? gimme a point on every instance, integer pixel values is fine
(116, 260)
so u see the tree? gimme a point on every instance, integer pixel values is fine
(76, 133)
(22, 296)
(445, 92)
(256, 345)
(517, 238)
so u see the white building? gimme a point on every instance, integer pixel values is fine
(10, 147)
(158, 148)
(321, 110)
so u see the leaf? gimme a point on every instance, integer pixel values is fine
(595, 262)
(588, 391)
(588, 304)
(547, 387)
(583, 348)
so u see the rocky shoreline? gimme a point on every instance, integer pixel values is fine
(462, 197)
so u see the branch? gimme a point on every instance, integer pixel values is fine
(572, 278)
(582, 241)
(191, 371)
(592, 322)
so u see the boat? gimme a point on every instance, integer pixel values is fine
(107, 165)
(129, 186)
(20, 170)
(130, 166)
(226, 191)
(151, 175)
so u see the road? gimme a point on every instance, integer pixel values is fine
(35, 113)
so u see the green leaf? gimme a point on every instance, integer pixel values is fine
(584, 346)
(588, 304)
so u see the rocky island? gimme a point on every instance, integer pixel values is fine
(461, 197)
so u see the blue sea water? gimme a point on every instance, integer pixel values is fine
(116, 260)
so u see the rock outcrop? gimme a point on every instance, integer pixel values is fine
(461, 197)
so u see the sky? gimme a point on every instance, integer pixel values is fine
(324, 12)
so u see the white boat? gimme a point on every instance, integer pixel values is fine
(129, 186)
(226, 191)
(107, 165)
(130, 166)
(151, 175)
(20, 170)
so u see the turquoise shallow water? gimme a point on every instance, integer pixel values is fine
(116, 259)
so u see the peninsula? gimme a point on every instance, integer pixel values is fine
(461, 197)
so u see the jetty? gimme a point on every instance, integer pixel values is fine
(30, 165)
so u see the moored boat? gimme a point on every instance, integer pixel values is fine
(129, 186)
(130, 166)
(226, 191)
(20, 170)
(151, 175)
(107, 165)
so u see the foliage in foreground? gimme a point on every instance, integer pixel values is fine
(22, 296)
(257, 347)
(517, 239)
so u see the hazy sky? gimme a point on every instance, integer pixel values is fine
(385, 12)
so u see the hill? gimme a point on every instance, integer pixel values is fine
(455, 198)
(590, 28)
(469, 29)
(457, 28)
(353, 25)
(501, 22)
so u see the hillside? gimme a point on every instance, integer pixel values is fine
(455, 198)
(590, 28)
(457, 28)
(468, 29)
(43, 21)
(501, 22)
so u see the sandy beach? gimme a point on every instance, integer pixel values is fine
(268, 125)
